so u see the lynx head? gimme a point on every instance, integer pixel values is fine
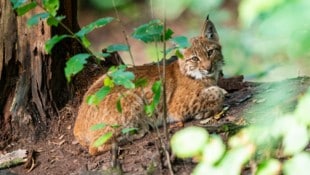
(203, 59)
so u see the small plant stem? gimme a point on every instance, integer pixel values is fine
(124, 33)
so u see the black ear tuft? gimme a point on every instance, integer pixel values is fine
(209, 30)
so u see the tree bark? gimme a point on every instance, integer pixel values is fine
(30, 80)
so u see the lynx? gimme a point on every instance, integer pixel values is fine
(191, 91)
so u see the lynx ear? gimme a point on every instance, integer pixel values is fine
(209, 30)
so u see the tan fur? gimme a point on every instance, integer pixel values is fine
(190, 87)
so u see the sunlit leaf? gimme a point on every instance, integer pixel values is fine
(96, 24)
(75, 64)
(115, 126)
(25, 8)
(156, 89)
(299, 164)
(269, 167)
(302, 110)
(51, 6)
(54, 21)
(129, 130)
(181, 41)
(117, 47)
(103, 139)
(34, 20)
(108, 82)
(214, 150)
(189, 142)
(149, 109)
(96, 98)
(149, 32)
(98, 126)
(49, 44)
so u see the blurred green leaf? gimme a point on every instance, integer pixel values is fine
(181, 41)
(149, 32)
(34, 20)
(17, 3)
(49, 44)
(21, 10)
(115, 126)
(269, 167)
(299, 164)
(235, 158)
(98, 126)
(103, 139)
(129, 130)
(96, 98)
(213, 150)
(302, 109)
(179, 54)
(156, 89)
(295, 136)
(117, 47)
(168, 34)
(54, 21)
(96, 24)
(75, 64)
(51, 6)
(189, 142)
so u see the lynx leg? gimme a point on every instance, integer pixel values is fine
(213, 98)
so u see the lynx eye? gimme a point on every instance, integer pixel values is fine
(195, 58)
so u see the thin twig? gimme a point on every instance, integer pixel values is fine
(124, 33)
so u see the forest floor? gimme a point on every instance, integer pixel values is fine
(60, 154)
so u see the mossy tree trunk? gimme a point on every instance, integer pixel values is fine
(32, 83)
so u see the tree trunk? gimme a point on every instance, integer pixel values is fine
(30, 80)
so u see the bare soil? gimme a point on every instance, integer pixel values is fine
(58, 153)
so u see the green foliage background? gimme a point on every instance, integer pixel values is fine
(261, 39)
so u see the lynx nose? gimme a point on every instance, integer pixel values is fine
(207, 67)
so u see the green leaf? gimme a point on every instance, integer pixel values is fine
(51, 6)
(17, 3)
(129, 130)
(189, 142)
(85, 42)
(96, 98)
(299, 164)
(119, 105)
(104, 138)
(115, 126)
(51, 42)
(34, 20)
(181, 41)
(214, 150)
(156, 89)
(179, 54)
(150, 32)
(96, 24)
(108, 82)
(168, 34)
(149, 109)
(98, 126)
(269, 167)
(122, 77)
(54, 21)
(25, 8)
(75, 64)
(302, 110)
(117, 47)
(140, 82)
